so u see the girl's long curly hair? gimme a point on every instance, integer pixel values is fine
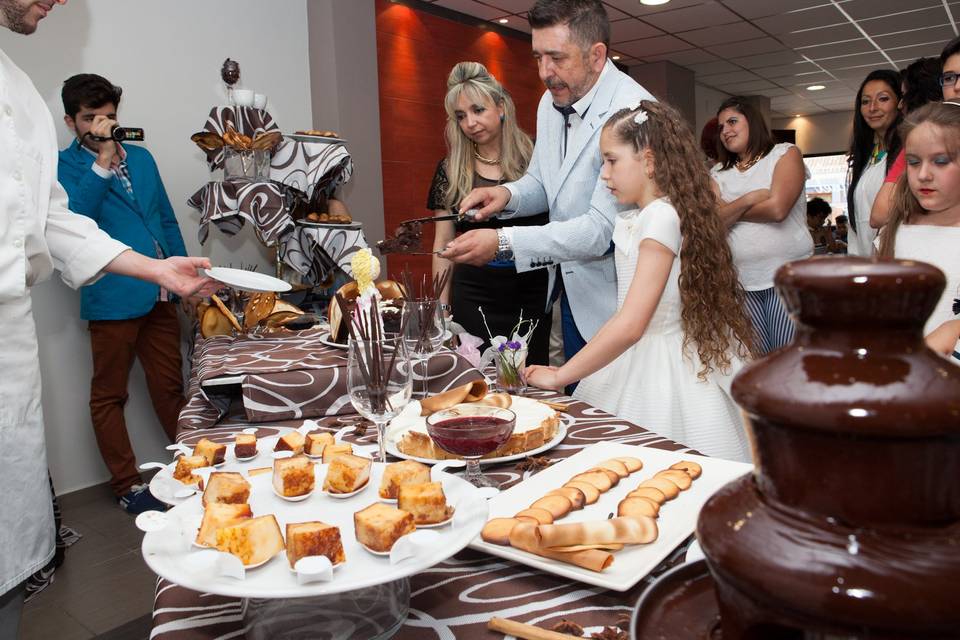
(711, 299)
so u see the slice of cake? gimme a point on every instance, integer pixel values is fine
(254, 540)
(398, 473)
(293, 476)
(335, 449)
(292, 441)
(214, 452)
(316, 442)
(216, 516)
(314, 539)
(425, 501)
(380, 525)
(185, 467)
(245, 446)
(536, 425)
(226, 487)
(347, 473)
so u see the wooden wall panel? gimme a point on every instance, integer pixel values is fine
(415, 53)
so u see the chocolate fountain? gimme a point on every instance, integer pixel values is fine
(849, 526)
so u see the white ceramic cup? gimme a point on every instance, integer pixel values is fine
(243, 97)
(259, 101)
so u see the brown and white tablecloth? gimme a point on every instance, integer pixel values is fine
(456, 598)
(286, 376)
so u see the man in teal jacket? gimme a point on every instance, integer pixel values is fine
(120, 188)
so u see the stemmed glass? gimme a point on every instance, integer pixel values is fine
(471, 431)
(379, 381)
(423, 333)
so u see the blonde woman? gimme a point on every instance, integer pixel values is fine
(486, 147)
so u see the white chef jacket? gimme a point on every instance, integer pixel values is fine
(37, 233)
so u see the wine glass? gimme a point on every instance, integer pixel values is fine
(423, 333)
(379, 382)
(471, 431)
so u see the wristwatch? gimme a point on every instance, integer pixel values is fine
(504, 250)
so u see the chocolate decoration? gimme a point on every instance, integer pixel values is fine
(407, 239)
(230, 71)
(850, 523)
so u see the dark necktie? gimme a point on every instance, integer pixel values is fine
(565, 112)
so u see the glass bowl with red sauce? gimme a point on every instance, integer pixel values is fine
(471, 431)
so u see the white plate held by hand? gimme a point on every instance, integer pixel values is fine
(247, 280)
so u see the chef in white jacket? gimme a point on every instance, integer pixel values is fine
(37, 235)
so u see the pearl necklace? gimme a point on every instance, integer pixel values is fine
(476, 154)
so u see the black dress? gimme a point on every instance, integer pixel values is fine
(496, 286)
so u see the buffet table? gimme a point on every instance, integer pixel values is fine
(454, 599)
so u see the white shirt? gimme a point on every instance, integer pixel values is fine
(37, 231)
(760, 248)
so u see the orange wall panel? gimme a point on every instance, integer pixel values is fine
(415, 53)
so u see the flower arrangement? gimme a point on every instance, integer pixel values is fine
(510, 354)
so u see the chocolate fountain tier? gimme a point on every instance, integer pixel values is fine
(850, 523)
(899, 584)
(857, 415)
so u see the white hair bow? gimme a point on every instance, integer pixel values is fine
(641, 117)
(636, 105)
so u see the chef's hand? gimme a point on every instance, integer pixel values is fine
(488, 200)
(543, 377)
(476, 247)
(107, 151)
(179, 275)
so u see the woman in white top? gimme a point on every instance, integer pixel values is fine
(761, 186)
(925, 220)
(873, 148)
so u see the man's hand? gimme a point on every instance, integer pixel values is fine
(107, 152)
(476, 247)
(179, 275)
(489, 200)
(543, 377)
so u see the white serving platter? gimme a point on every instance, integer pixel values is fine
(303, 137)
(677, 519)
(178, 563)
(248, 280)
(162, 482)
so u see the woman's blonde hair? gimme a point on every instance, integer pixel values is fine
(473, 80)
(711, 299)
(906, 208)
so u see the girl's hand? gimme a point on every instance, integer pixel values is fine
(944, 338)
(543, 377)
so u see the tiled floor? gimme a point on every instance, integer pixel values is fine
(103, 586)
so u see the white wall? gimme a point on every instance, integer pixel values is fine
(166, 56)
(823, 133)
(707, 102)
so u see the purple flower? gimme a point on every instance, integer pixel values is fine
(514, 345)
(503, 345)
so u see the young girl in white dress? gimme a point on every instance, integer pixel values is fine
(665, 359)
(925, 220)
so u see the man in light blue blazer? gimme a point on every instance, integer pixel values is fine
(584, 88)
(120, 188)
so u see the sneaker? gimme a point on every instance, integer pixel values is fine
(139, 499)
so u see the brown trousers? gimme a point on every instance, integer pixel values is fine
(155, 340)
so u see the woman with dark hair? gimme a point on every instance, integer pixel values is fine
(761, 185)
(485, 146)
(873, 148)
(921, 84)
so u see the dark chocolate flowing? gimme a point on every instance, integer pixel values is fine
(850, 523)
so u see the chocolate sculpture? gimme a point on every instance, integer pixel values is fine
(850, 525)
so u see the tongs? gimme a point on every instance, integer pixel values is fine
(469, 214)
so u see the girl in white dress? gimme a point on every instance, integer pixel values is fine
(925, 223)
(665, 359)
